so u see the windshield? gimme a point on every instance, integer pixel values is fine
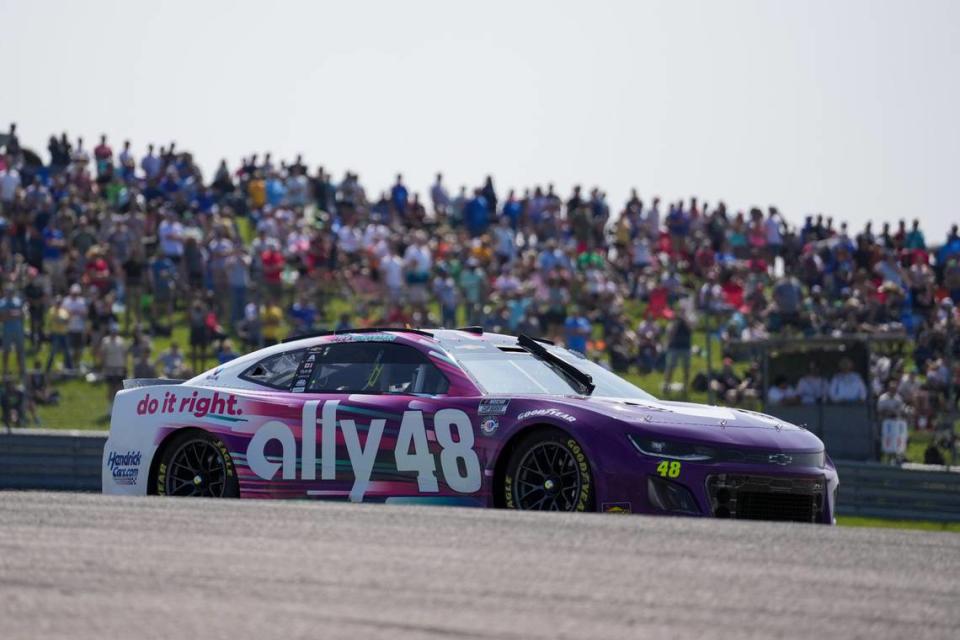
(523, 374)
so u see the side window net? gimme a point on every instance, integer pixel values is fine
(276, 371)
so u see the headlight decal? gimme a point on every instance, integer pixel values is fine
(671, 450)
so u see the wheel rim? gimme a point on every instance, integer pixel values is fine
(547, 479)
(197, 468)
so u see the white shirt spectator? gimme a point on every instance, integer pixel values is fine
(653, 221)
(392, 268)
(151, 165)
(812, 389)
(506, 242)
(348, 239)
(76, 306)
(890, 405)
(773, 231)
(847, 387)
(440, 197)
(419, 258)
(170, 233)
(125, 158)
(9, 183)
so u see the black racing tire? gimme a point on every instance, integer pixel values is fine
(548, 470)
(196, 464)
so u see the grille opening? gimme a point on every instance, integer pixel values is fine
(781, 499)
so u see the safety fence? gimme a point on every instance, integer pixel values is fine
(51, 460)
(876, 490)
(71, 460)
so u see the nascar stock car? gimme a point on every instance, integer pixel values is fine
(457, 417)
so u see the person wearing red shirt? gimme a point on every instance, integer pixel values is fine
(272, 261)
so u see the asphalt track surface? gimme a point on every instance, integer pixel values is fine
(88, 566)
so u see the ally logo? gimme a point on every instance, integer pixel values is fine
(458, 460)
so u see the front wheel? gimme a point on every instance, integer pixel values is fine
(196, 464)
(548, 471)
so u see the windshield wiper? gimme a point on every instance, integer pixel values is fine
(585, 380)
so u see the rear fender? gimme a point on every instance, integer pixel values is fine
(143, 416)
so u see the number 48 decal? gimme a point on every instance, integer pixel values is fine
(452, 453)
(669, 469)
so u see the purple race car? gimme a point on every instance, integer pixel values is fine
(458, 417)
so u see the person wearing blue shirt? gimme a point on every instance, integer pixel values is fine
(12, 315)
(276, 191)
(476, 215)
(915, 239)
(303, 315)
(512, 209)
(399, 196)
(163, 273)
(576, 331)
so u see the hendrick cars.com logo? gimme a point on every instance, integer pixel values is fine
(124, 467)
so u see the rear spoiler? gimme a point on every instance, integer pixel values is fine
(136, 383)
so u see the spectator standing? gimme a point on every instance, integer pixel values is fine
(36, 291)
(170, 235)
(238, 279)
(12, 312)
(473, 284)
(252, 329)
(9, 185)
(199, 336)
(76, 307)
(679, 345)
(113, 355)
(271, 321)
(163, 273)
(303, 316)
(440, 199)
(445, 289)
(133, 280)
(577, 330)
(476, 214)
(58, 326)
(151, 164)
(103, 156)
(399, 197)
(418, 261)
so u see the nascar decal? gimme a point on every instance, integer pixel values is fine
(458, 461)
(493, 406)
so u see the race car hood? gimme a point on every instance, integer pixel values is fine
(705, 423)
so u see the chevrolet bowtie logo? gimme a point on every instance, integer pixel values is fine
(781, 459)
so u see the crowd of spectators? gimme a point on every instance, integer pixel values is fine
(102, 249)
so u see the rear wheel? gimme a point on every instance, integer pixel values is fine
(548, 471)
(196, 464)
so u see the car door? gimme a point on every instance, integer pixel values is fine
(378, 426)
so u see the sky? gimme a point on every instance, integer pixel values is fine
(846, 108)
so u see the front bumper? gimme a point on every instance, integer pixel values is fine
(742, 491)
